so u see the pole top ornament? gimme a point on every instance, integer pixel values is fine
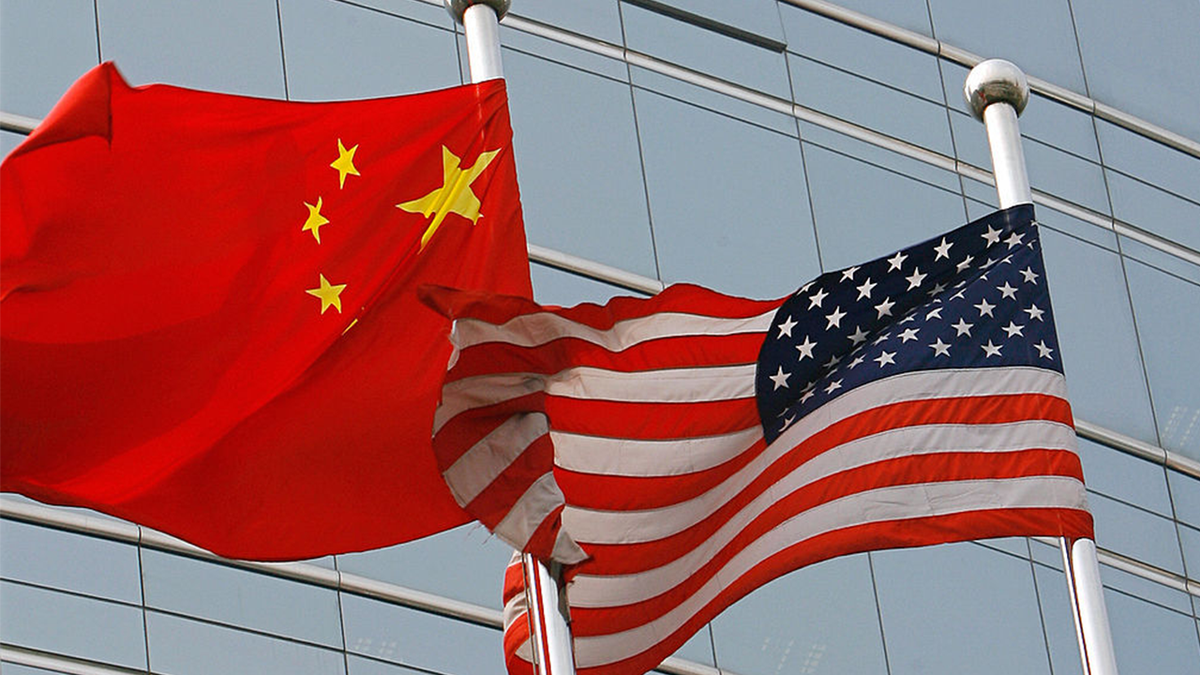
(458, 8)
(995, 81)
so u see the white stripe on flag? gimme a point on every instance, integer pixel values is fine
(475, 470)
(534, 506)
(669, 385)
(628, 457)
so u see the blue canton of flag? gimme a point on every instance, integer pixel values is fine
(974, 298)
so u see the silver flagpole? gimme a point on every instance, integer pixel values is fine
(997, 92)
(550, 633)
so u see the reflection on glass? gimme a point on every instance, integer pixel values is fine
(1167, 309)
(1135, 533)
(337, 51)
(819, 619)
(1122, 476)
(1095, 329)
(413, 638)
(71, 625)
(1151, 640)
(1154, 210)
(946, 609)
(229, 46)
(728, 202)
(45, 45)
(577, 163)
(48, 557)
(181, 646)
(1138, 156)
(241, 598)
(758, 17)
(595, 18)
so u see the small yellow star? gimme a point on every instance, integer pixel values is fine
(315, 220)
(344, 163)
(328, 293)
(455, 195)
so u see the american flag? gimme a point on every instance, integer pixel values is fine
(680, 451)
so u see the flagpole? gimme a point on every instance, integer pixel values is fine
(550, 632)
(997, 91)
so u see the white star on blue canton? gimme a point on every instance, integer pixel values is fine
(885, 358)
(940, 348)
(943, 251)
(817, 298)
(780, 378)
(786, 327)
(1034, 312)
(896, 261)
(991, 349)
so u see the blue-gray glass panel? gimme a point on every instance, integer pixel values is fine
(1144, 58)
(1168, 320)
(577, 163)
(783, 122)
(705, 50)
(1047, 552)
(45, 45)
(870, 104)
(1155, 210)
(337, 51)
(863, 211)
(72, 625)
(1185, 495)
(837, 44)
(1141, 587)
(1095, 329)
(949, 608)
(1056, 124)
(434, 14)
(757, 17)
(1058, 619)
(421, 640)
(728, 201)
(512, 39)
(466, 563)
(9, 141)
(1037, 35)
(229, 46)
(556, 287)
(358, 665)
(595, 18)
(698, 648)
(1159, 259)
(1135, 533)
(181, 646)
(880, 156)
(819, 619)
(910, 14)
(1189, 540)
(49, 557)
(1153, 162)
(14, 669)
(1151, 640)
(1122, 476)
(1018, 546)
(241, 598)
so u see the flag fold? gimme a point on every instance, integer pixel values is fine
(208, 312)
(682, 450)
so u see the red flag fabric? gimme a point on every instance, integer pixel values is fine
(681, 451)
(209, 322)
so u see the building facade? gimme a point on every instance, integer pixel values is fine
(746, 146)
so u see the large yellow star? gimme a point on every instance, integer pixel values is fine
(328, 293)
(315, 220)
(344, 163)
(455, 195)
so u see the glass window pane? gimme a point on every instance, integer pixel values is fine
(556, 287)
(1095, 327)
(466, 563)
(1154, 210)
(705, 50)
(725, 104)
(1185, 494)
(881, 157)
(241, 598)
(698, 648)
(597, 18)
(413, 638)
(1035, 34)
(337, 51)
(900, 211)
(864, 102)
(1151, 640)
(1189, 539)
(1143, 58)
(14, 669)
(759, 17)
(974, 606)
(512, 39)
(1141, 587)
(1135, 533)
(1149, 160)
(1059, 620)
(72, 625)
(837, 44)
(181, 646)
(49, 557)
(228, 46)
(45, 45)
(9, 141)
(359, 665)
(1122, 476)
(577, 163)
(728, 201)
(1168, 308)
(910, 14)
(831, 626)
(1159, 259)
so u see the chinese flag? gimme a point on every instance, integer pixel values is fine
(208, 307)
